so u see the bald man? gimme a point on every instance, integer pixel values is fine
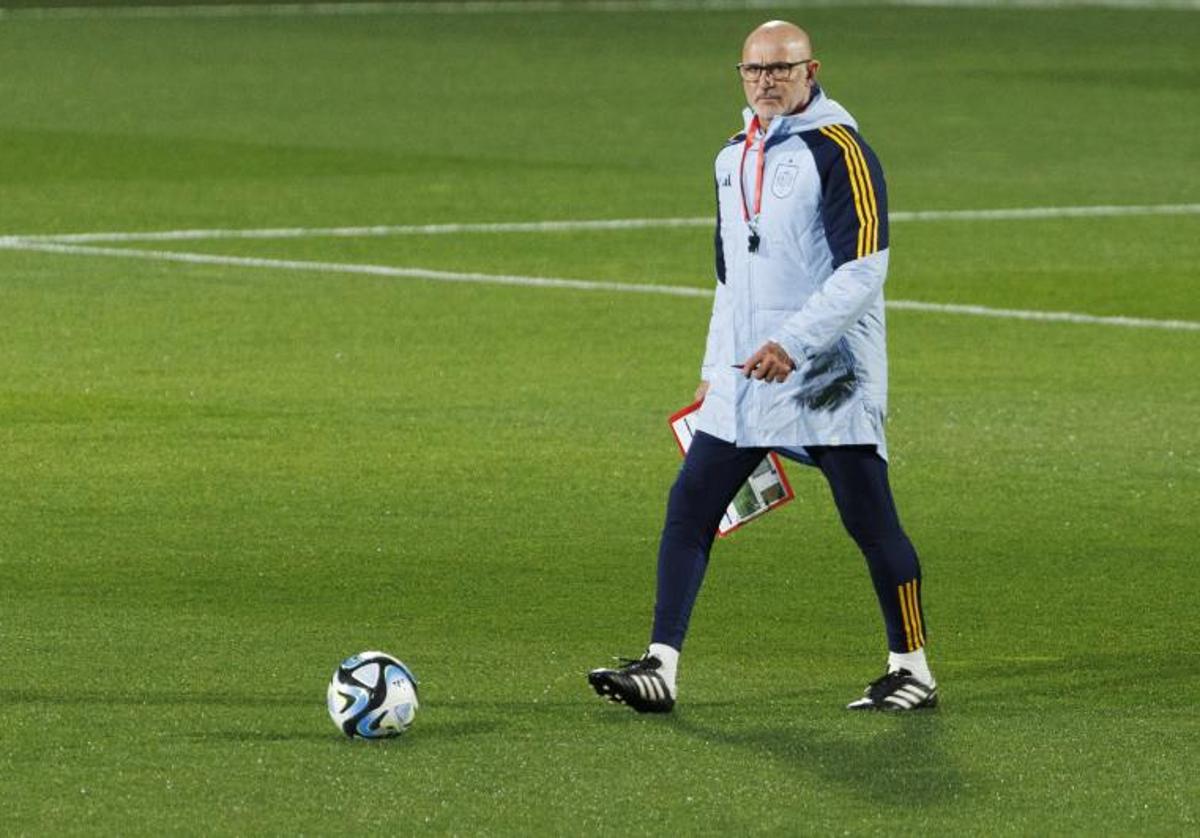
(795, 362)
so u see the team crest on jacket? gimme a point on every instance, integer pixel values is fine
(785, 180)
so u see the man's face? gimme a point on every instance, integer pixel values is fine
(769, 96)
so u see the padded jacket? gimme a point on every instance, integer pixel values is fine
(812, 281)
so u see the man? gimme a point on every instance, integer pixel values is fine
(795, 361)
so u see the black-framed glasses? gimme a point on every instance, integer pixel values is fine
(779, 71)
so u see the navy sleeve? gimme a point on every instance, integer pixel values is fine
(853, 193)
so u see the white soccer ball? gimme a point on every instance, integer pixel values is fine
(372, 695)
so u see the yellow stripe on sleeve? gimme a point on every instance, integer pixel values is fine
(864, 190)
(855, 188)
(861, 206)
(858, 172)
(872, 205)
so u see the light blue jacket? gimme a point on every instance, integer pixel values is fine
(813, 284)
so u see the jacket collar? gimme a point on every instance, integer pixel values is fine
(819, 112)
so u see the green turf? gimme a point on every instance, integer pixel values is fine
(218, 480)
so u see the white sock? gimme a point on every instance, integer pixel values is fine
(914, 662)
(670, 662)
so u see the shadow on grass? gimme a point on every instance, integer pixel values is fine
(887, 759)
(1097, 681)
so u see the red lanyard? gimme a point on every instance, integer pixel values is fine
(758, 180)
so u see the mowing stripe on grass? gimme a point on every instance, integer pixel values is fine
(234, 10)
(553, 282)
(1004, 214)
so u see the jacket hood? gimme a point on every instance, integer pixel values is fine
(820, 111)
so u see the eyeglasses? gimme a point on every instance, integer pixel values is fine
(780, 71)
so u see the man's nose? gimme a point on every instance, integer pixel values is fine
(765, 80)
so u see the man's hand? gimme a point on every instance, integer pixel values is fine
(770, 362)
(701, 391)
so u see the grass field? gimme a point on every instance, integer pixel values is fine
(220, 479)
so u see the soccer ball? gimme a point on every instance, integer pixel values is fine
(372, 695)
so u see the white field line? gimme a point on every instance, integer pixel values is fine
(238, 10)
(1051, 316)
(574, 284)
(354, 268)
(1010, 214)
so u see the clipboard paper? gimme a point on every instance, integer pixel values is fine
(767, 487)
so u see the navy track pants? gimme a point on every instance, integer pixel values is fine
(714, 470)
